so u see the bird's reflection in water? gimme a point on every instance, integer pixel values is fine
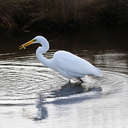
(73, 88)
(66, 90)
(42, 112)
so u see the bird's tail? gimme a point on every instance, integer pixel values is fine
(98, 72)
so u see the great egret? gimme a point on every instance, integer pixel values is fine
(66, 63)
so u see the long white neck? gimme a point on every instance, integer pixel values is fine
(41, 58)
(41, 50)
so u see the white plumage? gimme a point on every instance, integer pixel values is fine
(66, 63)
(72, 66)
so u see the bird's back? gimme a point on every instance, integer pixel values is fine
(71, 63)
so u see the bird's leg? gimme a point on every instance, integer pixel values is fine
(69, 82)
(81, 81)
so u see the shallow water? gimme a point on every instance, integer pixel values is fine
(32, 95)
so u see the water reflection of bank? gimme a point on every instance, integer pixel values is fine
(96, 38)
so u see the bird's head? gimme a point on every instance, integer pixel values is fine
(38, 39)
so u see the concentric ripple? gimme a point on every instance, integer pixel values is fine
(20, 83)
(22, 78)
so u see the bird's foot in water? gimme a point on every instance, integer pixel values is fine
(77, 83)
(82, 84)
(74, 83)
(80, 81)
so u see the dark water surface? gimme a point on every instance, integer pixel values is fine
(34, 96)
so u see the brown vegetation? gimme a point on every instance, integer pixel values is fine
(28, 15)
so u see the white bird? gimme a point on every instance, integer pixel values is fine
(66, 63)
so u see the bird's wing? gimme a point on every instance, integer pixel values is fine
(66, 61)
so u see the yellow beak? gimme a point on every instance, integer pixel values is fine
(26, 44)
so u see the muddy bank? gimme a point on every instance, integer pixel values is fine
(47, 15)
